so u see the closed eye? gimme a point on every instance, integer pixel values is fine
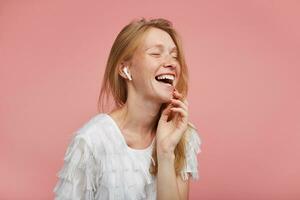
(158, 54)
(155, 54)
(175, 56)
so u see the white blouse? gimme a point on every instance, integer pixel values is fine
(99, 165)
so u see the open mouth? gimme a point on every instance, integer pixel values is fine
(167, 79)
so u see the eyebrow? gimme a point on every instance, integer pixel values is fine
(162, 46)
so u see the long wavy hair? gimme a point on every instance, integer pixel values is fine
(114, 86)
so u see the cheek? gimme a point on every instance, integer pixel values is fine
(145, 68)
(148, 66)
(151, 62)
(141, 63)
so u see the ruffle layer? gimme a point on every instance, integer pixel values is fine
(77, 176)
(192, 149)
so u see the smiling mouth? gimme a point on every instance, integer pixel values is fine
(165, 80)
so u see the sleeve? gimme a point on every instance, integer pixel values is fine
(192, 148)
(78, 174)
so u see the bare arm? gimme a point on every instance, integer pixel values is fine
(170, 187)
(169, 132)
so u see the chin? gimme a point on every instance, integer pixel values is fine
(163, 94)
(165, 98)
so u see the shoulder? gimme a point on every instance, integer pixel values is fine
(91, 132)
(95, 122)
(99, 134)
(94, 126)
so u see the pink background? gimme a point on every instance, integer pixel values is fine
(244, 89)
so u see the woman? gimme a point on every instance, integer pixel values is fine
(145, 148)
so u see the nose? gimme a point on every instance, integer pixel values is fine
(172, 67)
(170, 62)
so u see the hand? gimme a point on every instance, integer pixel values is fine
(172, 124)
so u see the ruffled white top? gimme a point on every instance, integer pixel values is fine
(99, 165)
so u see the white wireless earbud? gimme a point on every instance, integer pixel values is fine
(125, 70)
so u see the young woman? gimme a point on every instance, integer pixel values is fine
(145, 148)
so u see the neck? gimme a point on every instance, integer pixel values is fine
(138, 116)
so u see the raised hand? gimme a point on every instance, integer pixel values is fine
(172, 124)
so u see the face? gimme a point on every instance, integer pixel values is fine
(154, 65)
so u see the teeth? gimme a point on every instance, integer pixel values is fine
(171, 77)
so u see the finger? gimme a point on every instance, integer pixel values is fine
(166, 112)
(177, 94)
(179, 103)
(184, 100)
(182, 112)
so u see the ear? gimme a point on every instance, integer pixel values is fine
(121, 67)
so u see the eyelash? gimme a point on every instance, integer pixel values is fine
(156, 54)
